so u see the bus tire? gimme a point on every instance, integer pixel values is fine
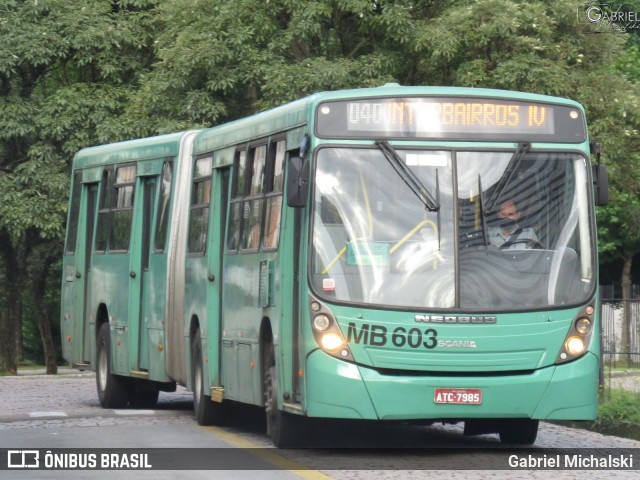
(113, 391)
(285, 429)
(518, 431)
(206, 411)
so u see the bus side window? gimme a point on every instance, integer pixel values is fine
(123, 208)
(162, 224)
(104, 212)
(253, 207)
(200, 199)
(74, 211)
(275, 186)
(235, 209)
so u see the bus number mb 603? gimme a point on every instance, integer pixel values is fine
(377, 336)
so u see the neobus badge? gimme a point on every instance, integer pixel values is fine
(482, 319)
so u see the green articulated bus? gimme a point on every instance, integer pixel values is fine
(396, 254)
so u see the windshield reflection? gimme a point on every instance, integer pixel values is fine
(374, 242)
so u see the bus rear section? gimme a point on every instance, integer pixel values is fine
(122, 254)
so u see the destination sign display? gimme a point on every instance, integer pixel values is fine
(450, 118)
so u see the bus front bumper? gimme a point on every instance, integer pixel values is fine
(337, 389)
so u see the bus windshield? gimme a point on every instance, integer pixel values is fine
(512, 231)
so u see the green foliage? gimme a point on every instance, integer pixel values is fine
(619, 225)
(76, 74)
(67, 74)
(26, 196)
(621, 409)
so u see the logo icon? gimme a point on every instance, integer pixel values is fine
(23, 459)
(596, 17)
(593, 12)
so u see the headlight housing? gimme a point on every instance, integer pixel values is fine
(578, 338)
(326, 331)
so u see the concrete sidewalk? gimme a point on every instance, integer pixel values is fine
(62, 370)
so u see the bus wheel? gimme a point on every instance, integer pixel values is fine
(143, 394)
(113, 391)
(206, 411)
(519, 431)
(285, 429)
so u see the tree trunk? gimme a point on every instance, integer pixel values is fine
(8, 362)
(625, 340)
(44, 326)
(44, 322)
(12, 308)
(251, 96)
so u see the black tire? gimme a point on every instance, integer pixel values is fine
(143, 394)
(206, 411)
(519, 431)
(285, 429)
(113, 390)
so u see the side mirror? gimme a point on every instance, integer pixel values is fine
(601, 184)
(297, 182)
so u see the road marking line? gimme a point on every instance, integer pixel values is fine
(268, 455)
(47, 414)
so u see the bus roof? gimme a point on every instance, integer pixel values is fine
(161, 146)
(396, 90)
(269, 122)
(279, 119)
(299, 112)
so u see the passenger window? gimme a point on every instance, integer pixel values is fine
(162, 222)
(113, 232)
(122, 212)
(256, 202)
(200, 200)
(74, 212)
(235, 209)
(104, 213)
(273, 200)
(253, 206)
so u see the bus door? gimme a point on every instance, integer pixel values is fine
(216, 255)
(140, 308)
(82, 336)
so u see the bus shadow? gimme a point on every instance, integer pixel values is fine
(181, 399)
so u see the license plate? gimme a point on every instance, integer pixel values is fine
(458, 396)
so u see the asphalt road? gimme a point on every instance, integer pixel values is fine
(62, 411)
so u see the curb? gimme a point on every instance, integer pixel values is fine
(62, 371)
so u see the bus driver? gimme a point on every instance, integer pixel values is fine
(509, 234)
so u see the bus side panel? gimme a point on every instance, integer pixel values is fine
(110, 287)
(147, 302)
(157, 314)
(241, 323)
(67, 320)
(215, 249)
(77, 341)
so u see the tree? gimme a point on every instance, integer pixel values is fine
(74, 76)
(66, 73)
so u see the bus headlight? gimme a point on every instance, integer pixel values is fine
(331, 341)
(578, 337)
(321, 322)
(327, 333)
(583, 326)
(574, 346)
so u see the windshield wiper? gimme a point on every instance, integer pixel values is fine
(405, 173)
(512, 167)
(483, 220)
